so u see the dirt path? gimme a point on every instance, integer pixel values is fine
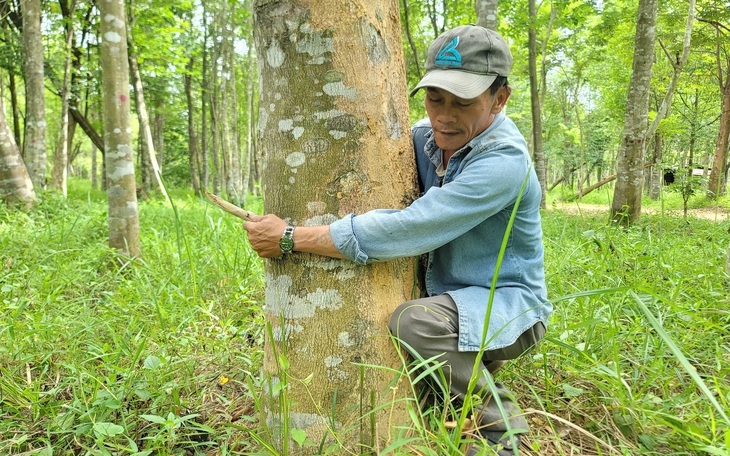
(718, 214)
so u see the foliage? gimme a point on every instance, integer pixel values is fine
(130, 360)
(162, 356)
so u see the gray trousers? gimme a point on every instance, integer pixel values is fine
(429, 326)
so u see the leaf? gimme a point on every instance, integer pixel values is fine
(152, 362)
(283, 362)
(154, 419)
(104, 429)
(299, 436)
(572, 391)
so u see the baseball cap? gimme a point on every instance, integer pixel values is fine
(465, 61)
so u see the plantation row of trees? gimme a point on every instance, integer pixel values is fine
(193, 69)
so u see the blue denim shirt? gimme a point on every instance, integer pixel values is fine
(461, 222)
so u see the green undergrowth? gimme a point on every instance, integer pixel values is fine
(163, 356)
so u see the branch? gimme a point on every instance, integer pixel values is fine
(228, 207)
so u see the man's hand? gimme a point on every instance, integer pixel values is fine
(264, 233)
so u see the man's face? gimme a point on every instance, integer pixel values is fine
(456, 121)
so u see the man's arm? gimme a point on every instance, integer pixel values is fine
(264, 233)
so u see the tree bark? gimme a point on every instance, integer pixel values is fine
(34, 143)
(487, 14)
(119, 160)
(630, 181)
(334, 131)
(16, 186)
(538, 151)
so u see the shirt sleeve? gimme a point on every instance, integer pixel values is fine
(488, 183)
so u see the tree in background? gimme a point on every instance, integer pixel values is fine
(34, 144)
(487, 14)
(718, 21)
(334, 131)
(626, 205)
(538, 152)
(121, 186)
(148, 146)
(59, 175)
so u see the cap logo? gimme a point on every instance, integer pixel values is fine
(448, 55)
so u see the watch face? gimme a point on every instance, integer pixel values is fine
(286, 244)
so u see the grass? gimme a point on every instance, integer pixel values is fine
(163, 357)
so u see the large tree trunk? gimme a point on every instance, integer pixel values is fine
(537, 144)
(119, 160)
(334, 129)
(487, 14)
(630, 180)
(16, 186)
(34, 143)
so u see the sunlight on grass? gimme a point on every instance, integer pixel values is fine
(163, 357)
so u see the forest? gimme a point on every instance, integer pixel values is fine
(135, 318)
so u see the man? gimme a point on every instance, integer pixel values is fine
(475, 174)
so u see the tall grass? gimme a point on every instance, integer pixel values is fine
(163, 357)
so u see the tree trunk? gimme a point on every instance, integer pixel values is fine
(59, 175)
(716, 182)
(487, 13)
(411, 42)
(121, 191)
(15, 108)
(235, 187)
(94, 168)
(657, 169)
(35, 101)
(334, 130)
(538, 151)
(204, 104)
(16, 186)
(630, 181)
(148, 146)
(192, 137)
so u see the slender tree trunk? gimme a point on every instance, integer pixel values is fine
(35, 100)
(16, 186)
(678, 66)
(716, 182)
(487, 14)
(235, 187)
(119, 160)
(148, 146)
(335, 134)
(629, 183)
(94, 168)
(15, 108)
(59, 175)
(537, 144)
(192, 137)
(205, 96)
(657, 170)
(248, 159)
(409, 36)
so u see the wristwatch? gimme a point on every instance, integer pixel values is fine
(286, 243)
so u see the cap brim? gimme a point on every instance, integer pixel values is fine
(460, 83)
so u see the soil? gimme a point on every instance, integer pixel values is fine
(718, 214)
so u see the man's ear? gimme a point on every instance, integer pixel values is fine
(501, 97)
